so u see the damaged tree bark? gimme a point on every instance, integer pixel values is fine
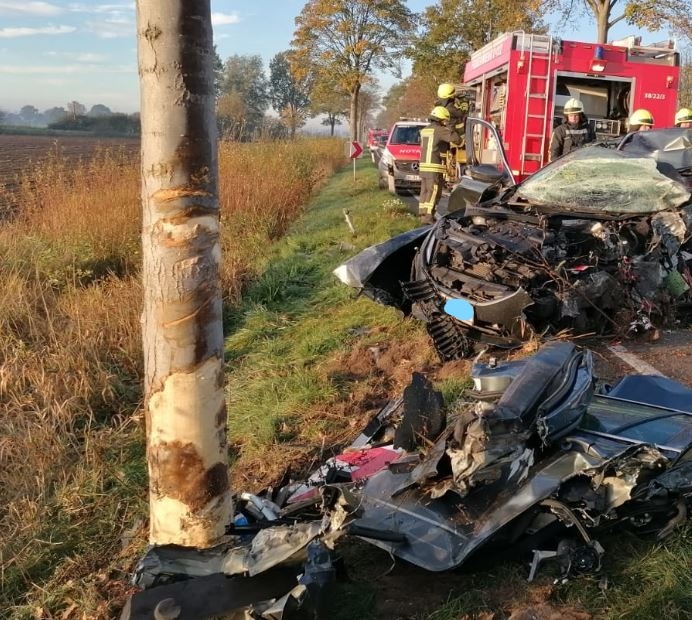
(181, 321)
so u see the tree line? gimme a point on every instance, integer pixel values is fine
(338, 45)
(100, 119)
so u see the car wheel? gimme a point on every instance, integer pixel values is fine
(381, 182)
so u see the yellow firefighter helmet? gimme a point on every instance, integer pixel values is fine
(446, 90)
(684, 115)
(641, 117)
(440, 113)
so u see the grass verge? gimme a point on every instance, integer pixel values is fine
(72, 480)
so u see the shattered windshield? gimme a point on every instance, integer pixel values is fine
(598, 180)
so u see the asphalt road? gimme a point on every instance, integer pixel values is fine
(670, 355)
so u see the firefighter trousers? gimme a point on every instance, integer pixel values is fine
(430, 192)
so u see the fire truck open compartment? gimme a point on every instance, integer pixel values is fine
(523, 81)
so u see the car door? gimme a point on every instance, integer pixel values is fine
(487, 170)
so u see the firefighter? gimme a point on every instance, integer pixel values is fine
(573, 133)
(641, 120)
(683, 118)
(457, 108)
(434, 140)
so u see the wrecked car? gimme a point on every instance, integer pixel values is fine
(533, 460)
(597, 241)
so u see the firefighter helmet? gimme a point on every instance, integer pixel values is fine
(439, 113)
(573, 106)
(641, 117)
(446, 90)
(684, 115)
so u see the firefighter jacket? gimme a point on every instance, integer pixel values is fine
(567, 138)
(434, 143)
(458, 111)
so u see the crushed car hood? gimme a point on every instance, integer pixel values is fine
(599, 241)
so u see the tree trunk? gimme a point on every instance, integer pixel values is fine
(353, 116)
(602, 17)
(293, 122)
(181, 321)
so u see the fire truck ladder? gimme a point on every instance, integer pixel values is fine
(536, 47)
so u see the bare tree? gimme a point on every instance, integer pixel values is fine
(75, 109)
(181, 323)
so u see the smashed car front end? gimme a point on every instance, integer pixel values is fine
(534, 461)
(598, 242)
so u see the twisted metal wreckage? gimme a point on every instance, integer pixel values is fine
(598, 241)
(533, 459)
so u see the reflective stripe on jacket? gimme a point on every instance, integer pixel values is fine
(434, 142)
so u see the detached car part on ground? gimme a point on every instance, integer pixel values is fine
(597, 241)
(531, 461)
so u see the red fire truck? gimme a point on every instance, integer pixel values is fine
(523, 80)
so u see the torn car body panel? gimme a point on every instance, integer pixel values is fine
(602, 465)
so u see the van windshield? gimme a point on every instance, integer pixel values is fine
(406, 135)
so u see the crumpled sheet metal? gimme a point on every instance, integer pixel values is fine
(359, 269)
(270, 547)
(669, 146)
(454, 501)
(480, 455)
(440, 534)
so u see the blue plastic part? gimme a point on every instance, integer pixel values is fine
(460, 309)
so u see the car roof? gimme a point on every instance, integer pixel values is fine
(409, 123)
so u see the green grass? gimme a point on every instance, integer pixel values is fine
(297, 314)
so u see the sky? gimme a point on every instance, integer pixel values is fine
(52, 52)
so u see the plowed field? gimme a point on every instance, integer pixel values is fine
(19, 153)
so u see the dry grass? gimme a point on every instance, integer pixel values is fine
(72, 477)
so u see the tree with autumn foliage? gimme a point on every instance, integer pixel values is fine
(368, 101)
(244, 97)
(410, 98)
(651, 15)
(343, 42)
(452, 29)
(685, 88)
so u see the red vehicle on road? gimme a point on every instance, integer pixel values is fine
(400, 160)
(523, 80)
(375, 138)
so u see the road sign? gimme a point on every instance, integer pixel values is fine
(356, 149)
